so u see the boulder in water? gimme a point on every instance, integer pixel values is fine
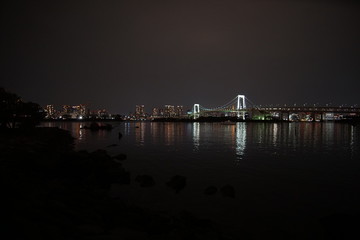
(177, 183)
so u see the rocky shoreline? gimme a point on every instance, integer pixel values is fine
(51, 191)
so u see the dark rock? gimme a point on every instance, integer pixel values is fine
(210, 190)
(228, 191)
(53, 192)
(122, 177)
(190, 219)
(120, 157)
(340, 226)
(112, 145)
(177, 183)
(145, 180)
(128, 233)
(191, 227)
(89, 229)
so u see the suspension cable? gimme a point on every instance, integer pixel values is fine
(216, 108)
(254, 105)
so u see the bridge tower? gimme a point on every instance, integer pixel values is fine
(196, 111)
(240, 106)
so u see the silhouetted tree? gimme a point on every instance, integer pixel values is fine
(15, 112)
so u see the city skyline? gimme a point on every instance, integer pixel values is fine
(150, 109)
(119, 54)
(237, 109)
(82, 111)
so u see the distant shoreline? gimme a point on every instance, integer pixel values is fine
(205, 119)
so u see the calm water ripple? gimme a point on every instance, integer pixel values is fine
(297, 172)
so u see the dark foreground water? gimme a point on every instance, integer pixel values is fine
(290, 178)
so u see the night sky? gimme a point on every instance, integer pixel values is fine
(115, 54)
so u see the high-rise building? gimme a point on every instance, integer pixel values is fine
(74, 112)
(103, 114)
(78, 111)
(155, 112)
(66, 109)
(139, 111)
(169, 111)
(179, 110)
(82, 110)
(161, 112)
(50, 111)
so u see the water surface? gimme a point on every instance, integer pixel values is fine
(287, 176)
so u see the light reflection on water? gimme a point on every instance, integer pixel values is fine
(224, 151)
(243, 139)
(240, 140)
(293, 170)
(196, 135)
(140, 129)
